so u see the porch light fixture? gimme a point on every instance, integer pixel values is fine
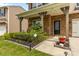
(35, 35)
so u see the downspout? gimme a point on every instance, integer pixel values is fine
(20, 23)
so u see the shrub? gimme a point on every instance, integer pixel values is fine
(41, 36)
(20, 36)
(2, 37)
(28, 36)
(36, 29)
(6, 36)
(11, 35)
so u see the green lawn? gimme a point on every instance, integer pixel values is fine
(11, 49)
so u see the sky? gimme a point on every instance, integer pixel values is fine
(23, 5)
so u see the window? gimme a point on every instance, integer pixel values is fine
(35, 5)
(2, 12)
(39, 4)
(77, 6)
(36, 22)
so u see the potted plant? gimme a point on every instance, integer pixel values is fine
(62, 39)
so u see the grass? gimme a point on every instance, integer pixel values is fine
(11, 49)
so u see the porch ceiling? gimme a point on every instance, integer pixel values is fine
(53, 9)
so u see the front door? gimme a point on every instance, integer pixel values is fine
(56, 27)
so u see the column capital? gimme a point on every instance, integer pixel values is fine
(65, 10)
(43, 13)
(20, 18)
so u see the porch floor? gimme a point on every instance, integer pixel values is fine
(47, 46)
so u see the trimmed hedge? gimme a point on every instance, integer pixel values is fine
(26, 36)
(29, 35)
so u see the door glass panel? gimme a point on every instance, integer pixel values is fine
(56, 27)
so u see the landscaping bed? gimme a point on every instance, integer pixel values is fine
(25, 38)
(30, 38)
(23, 42)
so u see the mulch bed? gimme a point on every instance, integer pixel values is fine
(22, 42)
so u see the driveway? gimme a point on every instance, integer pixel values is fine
(48, 47)
(74, 44)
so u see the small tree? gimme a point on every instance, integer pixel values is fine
(35, 29)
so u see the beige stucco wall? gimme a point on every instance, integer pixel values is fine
(4, 19)
(14, 21)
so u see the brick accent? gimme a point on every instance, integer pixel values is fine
(62, 19)
(62, 24)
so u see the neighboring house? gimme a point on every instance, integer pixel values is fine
(9, 22)
(55, 18)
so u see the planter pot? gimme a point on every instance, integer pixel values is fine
(62, 40)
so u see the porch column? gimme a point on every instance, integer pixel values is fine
(42, 22)
(66, 12)
(67, 25)
(49, 24)
(42, 14)
(20, 22)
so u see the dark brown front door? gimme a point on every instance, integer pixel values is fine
(56, 27)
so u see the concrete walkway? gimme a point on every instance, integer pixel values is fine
(48, 47)
(74, 44)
